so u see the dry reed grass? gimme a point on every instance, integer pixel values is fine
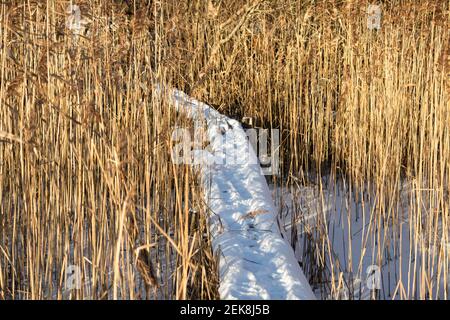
(85, 172)
(90, 182)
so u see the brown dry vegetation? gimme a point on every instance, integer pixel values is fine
(85, 171)
(367, 107)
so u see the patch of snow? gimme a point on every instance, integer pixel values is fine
(349, 226)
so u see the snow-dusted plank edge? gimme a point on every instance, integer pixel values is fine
(255, 261)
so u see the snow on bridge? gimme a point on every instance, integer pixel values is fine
(255, 261)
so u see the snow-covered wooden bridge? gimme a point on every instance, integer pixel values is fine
(255, 261)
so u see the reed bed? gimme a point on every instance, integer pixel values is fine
(85, 176)
(85, 171)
